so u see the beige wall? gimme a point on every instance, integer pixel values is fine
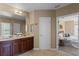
(72, 8)
(35, 20)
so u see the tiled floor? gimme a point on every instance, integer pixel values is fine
(70, 49)
(45, 53)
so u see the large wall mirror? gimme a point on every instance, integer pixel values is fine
(12, 24)
(31, 28)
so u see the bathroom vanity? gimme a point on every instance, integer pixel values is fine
(16, 46)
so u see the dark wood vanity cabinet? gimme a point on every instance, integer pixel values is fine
(27, 44)
(16, 47)
(0, 51)
(31, 42)
(6, 48)
(24, 47)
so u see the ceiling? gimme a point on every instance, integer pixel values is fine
(37, 6)
(30, 7)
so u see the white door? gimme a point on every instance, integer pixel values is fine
(45, 32)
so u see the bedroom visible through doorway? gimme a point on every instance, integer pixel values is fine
(67, 34)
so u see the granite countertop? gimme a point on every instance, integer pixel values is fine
(14, 38)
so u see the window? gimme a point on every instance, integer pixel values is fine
(31, 27)
(16, 28)
(26, 28)
(5, 29)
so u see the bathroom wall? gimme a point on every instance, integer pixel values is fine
(34, 18)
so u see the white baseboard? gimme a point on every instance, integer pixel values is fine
(36, 49)
(44, 49)
(53, 49)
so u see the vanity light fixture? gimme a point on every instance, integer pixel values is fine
(57, 6)
(18, 12)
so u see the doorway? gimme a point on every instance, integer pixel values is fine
(45, 32)
(67, 34)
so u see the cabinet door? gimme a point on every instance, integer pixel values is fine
(16, 47)
(28, 44)
(6, 50)
(0, 50)
(24, 45)
(31, 43)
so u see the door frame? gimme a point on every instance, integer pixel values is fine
(51, 30)
(57, 19)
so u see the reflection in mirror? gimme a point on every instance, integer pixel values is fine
(31, 28)
(11, 24)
